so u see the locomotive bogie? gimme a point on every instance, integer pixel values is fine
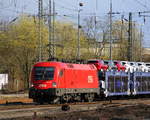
(53, 96)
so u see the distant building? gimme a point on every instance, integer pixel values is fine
(3, 80)
(146, 51)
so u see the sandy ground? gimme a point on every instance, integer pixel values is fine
(24, 100)
(14, 98)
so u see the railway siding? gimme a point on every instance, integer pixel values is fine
(50, 110)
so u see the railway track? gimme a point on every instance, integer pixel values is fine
(30, 109)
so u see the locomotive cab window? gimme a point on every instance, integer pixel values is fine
(44, 73)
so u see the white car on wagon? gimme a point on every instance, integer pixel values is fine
(142, 67)
(129, 68)
(148, 65)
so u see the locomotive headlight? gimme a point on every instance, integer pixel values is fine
(42, 85)
(54, 84)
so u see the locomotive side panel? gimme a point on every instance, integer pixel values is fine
(78, 80)
(81, 79)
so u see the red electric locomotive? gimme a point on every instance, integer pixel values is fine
(55, 82)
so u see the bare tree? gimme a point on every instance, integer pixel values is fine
(96, 32)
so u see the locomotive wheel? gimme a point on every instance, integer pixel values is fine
(89, 97)
(65, 98)
(77, 98)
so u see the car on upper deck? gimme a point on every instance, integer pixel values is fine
(148, 65)
(98, 63)
(142, 67)
(111, 64)
(128, 67)
(134, 65)
(119, 65)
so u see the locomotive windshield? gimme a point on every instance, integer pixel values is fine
(44, 73)
(89, 62)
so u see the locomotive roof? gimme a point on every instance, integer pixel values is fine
(66, 65)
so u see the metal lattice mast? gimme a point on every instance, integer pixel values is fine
(79, 27)
(78, 42)
(40, 16)
(50, 35)
(129, 53)
(110, 32)
(54, 47)
(141, 39)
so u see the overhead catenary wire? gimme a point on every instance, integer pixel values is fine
(8, 4)
(83, 14)
(68, 3)
(74, 15)
(58, 4)
(12, 7)
(139, 2)
(19, 12)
